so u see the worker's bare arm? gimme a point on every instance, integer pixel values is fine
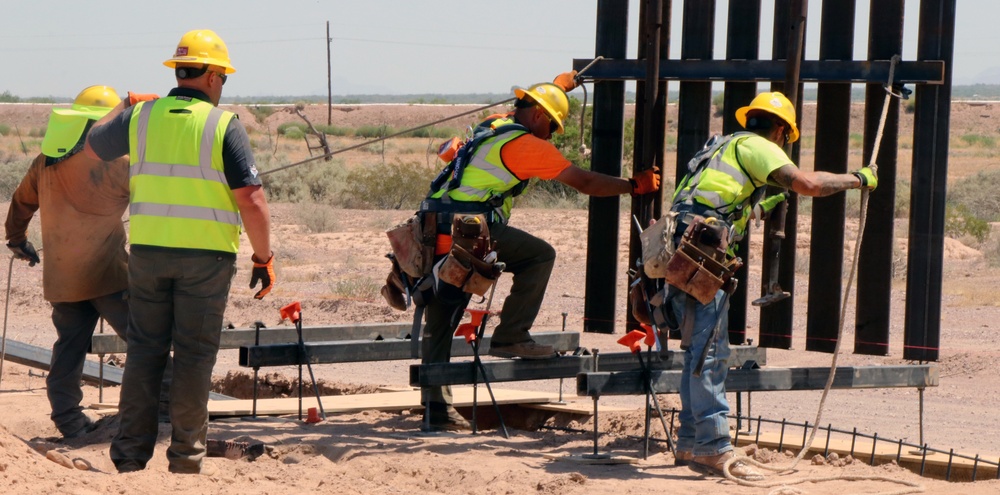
(813, 183)
(593, 183)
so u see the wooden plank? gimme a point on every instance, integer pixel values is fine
(109, 343)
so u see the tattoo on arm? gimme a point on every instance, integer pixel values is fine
(784, 176)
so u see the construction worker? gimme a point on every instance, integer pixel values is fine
(516, 150)
(193, 178)
(81, 201)
(727, 189)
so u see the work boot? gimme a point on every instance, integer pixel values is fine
(444, 417)
(88, 426)
(683, 457)
(528, 349)
(712, 465)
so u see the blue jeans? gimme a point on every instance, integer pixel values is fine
(704, 428)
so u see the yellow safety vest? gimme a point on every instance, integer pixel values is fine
(179, 194)
(486, 177)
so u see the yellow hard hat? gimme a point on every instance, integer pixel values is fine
(66, 125)
(551, 98)
(774, 103)
(201, 46)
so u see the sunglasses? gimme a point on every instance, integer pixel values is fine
(223, 77)
(553, 125)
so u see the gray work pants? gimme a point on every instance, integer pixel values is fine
(530, 260)
(175, 298)
(75, 323)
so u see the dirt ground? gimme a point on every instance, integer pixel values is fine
(336, 276)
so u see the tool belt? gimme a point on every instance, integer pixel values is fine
(470, 265)
(413, 243)
(700, 265)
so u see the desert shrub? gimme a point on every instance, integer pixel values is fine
(12, 170)
(332, 130)
(314, 182)
(856, 141)
(373, 131)
(902, 198)
(318, 218)
(4, 129)
(260, 114)
(362, 288)
(910, 106)
(977, 195)
(959, 221)
(292, 130)
(390, 186)
(550, 194)
(434, 132)
(979, 140)
(718, 102)
(37, 132)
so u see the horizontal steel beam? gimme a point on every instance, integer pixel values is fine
(758, 380)
(108, 343)
(857, 71)
(40, 358)
(379, 350)
(511, 370)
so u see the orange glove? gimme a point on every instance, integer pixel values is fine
(646, 181)
(134, 98)
(566, 81)
(263, 272)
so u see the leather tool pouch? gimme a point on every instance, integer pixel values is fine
(658, 245)
(413, 243)
(461, 269)
(700, 265)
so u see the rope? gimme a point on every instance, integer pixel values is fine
(912, 486)
(412, 129)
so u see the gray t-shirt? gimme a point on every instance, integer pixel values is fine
(110, 141)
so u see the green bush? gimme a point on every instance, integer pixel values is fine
(959, 221)
(315, 182)
(6, 97)
(979, 140)
(435, 132)
(390, 186)
(977, 195)
(718, 102)
(287, 127)
(373, 131)
(332, 130)
(4, 129)
(318, 218)
(12, 170)
(260, 114)
(359, 288)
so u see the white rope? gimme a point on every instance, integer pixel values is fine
(912, 487)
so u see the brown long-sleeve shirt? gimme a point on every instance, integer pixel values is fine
(81, 202)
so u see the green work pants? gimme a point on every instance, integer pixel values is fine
(530, 260)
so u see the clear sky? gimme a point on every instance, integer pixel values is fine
(56, 49)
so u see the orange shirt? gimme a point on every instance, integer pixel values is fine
(527, 156)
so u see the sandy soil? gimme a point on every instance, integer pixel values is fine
(336, 276)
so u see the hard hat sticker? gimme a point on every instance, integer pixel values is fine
(182, 51)
(775, 102)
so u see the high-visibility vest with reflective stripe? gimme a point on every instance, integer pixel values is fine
(723, 186)
(486, 176)
(179, 194)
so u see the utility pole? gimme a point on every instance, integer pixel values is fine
(329, 83)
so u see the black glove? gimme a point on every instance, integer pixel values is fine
(263, 272)
(25, 251)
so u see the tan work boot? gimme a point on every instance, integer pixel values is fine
(525, 350)
(683, 457)
(712, 465)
